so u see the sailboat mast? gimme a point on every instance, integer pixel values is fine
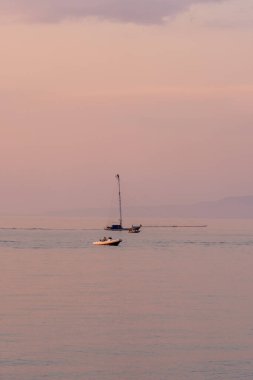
(120, 209)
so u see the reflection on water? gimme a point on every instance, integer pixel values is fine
(166, 304)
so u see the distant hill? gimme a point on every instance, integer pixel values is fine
(231, 207)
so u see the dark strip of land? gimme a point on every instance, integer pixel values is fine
(177, 226)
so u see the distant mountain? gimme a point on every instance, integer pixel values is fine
(231, 207)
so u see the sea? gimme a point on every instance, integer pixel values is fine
(174, 302)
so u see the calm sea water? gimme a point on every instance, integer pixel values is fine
(169, 303)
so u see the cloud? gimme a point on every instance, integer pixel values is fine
(135, 11)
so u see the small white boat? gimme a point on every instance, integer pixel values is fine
(135, 229)
(108, 241)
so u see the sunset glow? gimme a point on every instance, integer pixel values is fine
(89, 91)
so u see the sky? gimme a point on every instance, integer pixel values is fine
(159, 91)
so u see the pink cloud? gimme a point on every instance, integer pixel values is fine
(136, 11)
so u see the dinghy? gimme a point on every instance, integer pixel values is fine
(107, 241)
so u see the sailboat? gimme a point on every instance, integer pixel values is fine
(119, 226)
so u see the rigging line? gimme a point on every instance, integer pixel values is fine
(111, 208)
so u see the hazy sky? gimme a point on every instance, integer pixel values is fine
(160, 91)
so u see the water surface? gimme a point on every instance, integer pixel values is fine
(169, 303)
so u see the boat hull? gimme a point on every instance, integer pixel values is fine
(113, 228)
(118, 227)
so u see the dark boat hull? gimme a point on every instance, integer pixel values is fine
(118, 227)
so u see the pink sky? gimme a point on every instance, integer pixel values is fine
(166, 101)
